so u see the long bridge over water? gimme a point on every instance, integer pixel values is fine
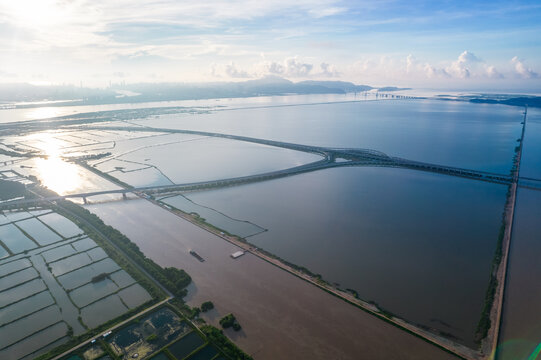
(331, 158)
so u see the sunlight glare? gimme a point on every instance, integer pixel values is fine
(43, 113)
(53, 172)
(34, 13)
(58, 175)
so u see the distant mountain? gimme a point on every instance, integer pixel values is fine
(144, 92)
(531, 101)
(337, 85)
(23, 92)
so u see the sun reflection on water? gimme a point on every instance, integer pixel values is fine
(56, 174)
(43, 113)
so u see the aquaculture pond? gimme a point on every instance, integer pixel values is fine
(50, 288)
(186, 345)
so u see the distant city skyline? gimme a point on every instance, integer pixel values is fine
(454, 45)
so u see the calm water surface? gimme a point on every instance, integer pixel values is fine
(418, 244)
(461, 134)
(521, 322)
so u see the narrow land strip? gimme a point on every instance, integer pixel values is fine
(490, 344)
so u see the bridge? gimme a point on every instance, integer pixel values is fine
(356, 156)
(332, 158)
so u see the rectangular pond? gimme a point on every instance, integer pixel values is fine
(58, 253)
(206, 353)
(121, 278)
(187, 344)
(69, 264)
(38, 231)
(29, 346)
(134, 296)
(17, 278)
(85, 274)
(22, 291)
(18, 330)
(84, 244)
(24, 307)
(14, 239)
(13, 266)
(91, 292)
(61, 225)
(103, 311)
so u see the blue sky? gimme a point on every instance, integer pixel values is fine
(432, 44)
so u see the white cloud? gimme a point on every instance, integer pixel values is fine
(522, 69)
(493, 73)
(232, 71)
(462, 67)
(328, 70)
(326, 11)
(432, 72)
(290, 67)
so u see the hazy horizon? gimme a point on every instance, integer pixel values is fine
(456, 46)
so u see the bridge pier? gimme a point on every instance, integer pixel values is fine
(84, 200)
(124, 197)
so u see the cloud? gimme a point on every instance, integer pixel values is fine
(493, 73)
(522, 70)
(290, 67)
(232, 71)
(418, 69)
(326, 11)
(462, 66)
(328, 70)
(432, 72)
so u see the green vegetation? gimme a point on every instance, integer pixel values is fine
(227, 321)
(152, 338)
(484, 322)
(206, 306)
(11, 189)
(179, 278)
(174, 280)
(230, 321)
(218, 339)
(99, 277)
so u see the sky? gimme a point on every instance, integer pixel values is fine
(425, 44)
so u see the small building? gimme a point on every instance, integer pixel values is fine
(237, 254)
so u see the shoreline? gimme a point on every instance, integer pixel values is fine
(489, 345)
(461, 351)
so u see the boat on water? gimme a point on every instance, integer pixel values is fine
(196, 255)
